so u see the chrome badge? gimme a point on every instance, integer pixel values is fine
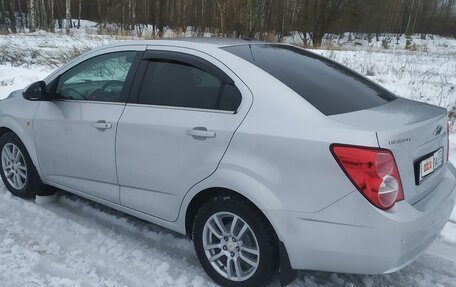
(438, 130)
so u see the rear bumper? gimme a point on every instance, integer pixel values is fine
(352, 236)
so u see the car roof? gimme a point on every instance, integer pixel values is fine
(218, 41)
(188, 42)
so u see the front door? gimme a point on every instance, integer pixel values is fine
(75, 131)
(175, 135)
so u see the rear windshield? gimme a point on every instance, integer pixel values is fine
(328, 86)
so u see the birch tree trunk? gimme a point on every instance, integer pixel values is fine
(408, 30)
(146, 11)
(108, 11)
(133, 12)
(43, 20)
(282, 30)
(128, 25)
(250, 17)
(12, 17)
(21, 27)
(3, 16)
(32, 22)
(99, 14)
(79, 13)
(51, 16)
(221, 7)
(130, 16)
(68, 16)
(417, 7)
(122, 24)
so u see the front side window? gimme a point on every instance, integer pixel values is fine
(177, 84)
(100, 78)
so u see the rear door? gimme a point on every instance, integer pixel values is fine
(187, 107)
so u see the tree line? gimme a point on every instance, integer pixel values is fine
(263, 19)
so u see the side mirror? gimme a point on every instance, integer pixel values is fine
(35, 92)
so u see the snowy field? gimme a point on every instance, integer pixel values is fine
(74, 242)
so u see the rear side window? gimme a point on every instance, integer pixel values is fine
(177, 84)
(328, 86)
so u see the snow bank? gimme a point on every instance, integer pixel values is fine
(386, 42)
(47, 49)
(448, 233)
(14, 78)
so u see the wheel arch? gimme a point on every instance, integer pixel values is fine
(4, 130)
(229, 181)
(23, 136)
(204, 195)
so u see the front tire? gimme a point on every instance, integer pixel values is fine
(17, 169)
(234, 242)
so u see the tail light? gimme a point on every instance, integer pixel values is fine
(373, 171)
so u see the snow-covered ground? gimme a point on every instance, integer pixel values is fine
(448, 234)
(13, 78)
(74, 242)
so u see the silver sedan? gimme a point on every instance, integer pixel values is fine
(271, 158)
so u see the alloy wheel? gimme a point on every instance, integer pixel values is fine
(14, 166)
(231, 246)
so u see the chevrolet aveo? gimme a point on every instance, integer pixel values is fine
(273, 159)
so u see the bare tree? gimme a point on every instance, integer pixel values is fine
(51, 21)
(68, 16)
(3, 16)
(21, 16)
(326, 12)
(221, 7)
(7, 16)
(12, 17)
(79, 13)
(132, 14)
(264, 19)
(32, 21)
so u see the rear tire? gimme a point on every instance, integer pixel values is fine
(246, 254)
(17, 170)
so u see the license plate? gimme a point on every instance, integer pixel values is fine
(430, 164)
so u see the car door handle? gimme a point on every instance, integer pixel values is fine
(200, 133)
(102, 125)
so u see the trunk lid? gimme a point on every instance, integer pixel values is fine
(412, 131)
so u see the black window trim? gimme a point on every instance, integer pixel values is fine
(183, 58)
(190, 60)
(183, 108)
